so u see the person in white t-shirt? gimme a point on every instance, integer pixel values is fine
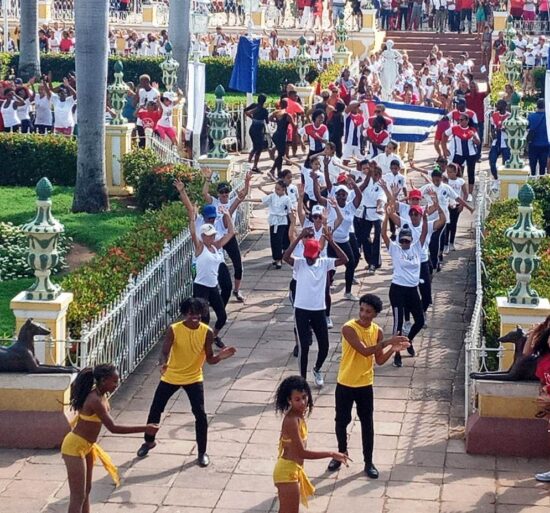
(63, 103)
(384, 160)
(311, 273)
(457, 184)
(147, 92)
(406, 257)
(165, 126)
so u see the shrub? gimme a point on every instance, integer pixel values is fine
(101, 280)
(14, 248)
(137, 162)
(329, 75)
(28, 157)
(542, 195)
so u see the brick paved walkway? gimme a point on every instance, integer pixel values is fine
(418, 419)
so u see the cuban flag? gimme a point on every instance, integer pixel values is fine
(411, 123)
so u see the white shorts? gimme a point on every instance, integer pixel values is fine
(349, 151)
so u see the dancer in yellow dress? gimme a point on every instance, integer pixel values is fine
(79, 449)
(294, 400)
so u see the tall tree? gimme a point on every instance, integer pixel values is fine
(91, 26)
(178, 32)
(29, 59)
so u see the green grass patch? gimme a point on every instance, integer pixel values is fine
(97, 231)
(232, 98)
(8, 290)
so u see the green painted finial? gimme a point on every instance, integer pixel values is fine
(220, 91)
(302, 41)
(168, 47)
(44, 189)
(119, 68)
(219, 120)
(526, 195)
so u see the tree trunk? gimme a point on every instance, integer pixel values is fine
(178, 32)
(91, 24)
(29, 59)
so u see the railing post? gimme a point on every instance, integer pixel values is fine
(166, 275)
(130, 316)
(148, 137)
(82, 360)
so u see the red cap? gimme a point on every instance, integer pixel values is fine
(415, 194)
(342, 178)
(311, 248)
(415, 208)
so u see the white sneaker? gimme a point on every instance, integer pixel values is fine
(355, 281)
(452, 247)
(446, 250)
(319, 381)
(350, 297)
(330, 324)
(543, 477)
(407, 325)
(470, 198)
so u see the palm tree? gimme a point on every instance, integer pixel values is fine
(178, 32)
(29, 59)
(91, 24)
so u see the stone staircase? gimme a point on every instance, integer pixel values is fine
(419, 44)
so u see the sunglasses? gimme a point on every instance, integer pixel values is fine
(404, 241)
(414, 214)
(224, 191)
(316, 216)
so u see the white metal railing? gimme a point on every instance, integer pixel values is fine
(162, 147)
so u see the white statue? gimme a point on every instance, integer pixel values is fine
(389, 70)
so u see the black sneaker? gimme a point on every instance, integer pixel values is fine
(219, 343)
(410, 350)
(144, 449)
(371, 471)
(334, 465)
(397, 360)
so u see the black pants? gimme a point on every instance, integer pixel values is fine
(233, 251)
(141, 134)
(450, 232)
(350, 266)
(470, 166)
(436, 246)
(277, 241)
(355, 248)
(402, 299)
(43, 129)
(364, 401)
(280, 146)
(371, 250)
(538, 156)
(306, 321)
(338, 143)
(195, 393)
(212, 295)
(424, 287)
(225, 283)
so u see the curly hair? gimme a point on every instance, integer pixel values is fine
(285, 389)
(85, 381)
(372, 300)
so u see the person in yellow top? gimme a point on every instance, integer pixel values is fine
(362, 344)
(79, 449)
(293, 399)
(188, 344)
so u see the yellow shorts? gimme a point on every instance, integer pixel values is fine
(288, 471)
(75, 445)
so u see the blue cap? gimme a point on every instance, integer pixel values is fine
(209, 211)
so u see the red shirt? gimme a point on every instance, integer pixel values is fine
(378, 138)
(497, 119)
(65, 45)
(149, 118)
(474, 101)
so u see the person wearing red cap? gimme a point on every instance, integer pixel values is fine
(309, 303)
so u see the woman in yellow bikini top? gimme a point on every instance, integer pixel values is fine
(293, 399)
(79, 448)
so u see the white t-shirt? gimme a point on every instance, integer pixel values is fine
(392, 180)
(311, 281)
(384, 161)
(341, 234)
(372, 194)
(63, 111)
(456, 186)
(43, 109)
(417, 231)
(406, 264)
(145, 97)
(308, 181)
(166, 119)
(279, 208)
(445, 194)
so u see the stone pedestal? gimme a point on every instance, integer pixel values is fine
(505, 423)
(525, 315)
(33, 410)
(120, 45)
(369, 20)
(306, 95)
(511, 181)
(500, 18)
(150, 14)
(118, 142)
(52, 314)
(223, 168)
(343, 58)
(258, 19)
(44, 11)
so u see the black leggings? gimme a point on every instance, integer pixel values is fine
(233, 251)
(212, 295)
(371, 250)
(350, 266)
(450, 233)
(406, 298)
(364, 401)
(470, 166)
(306, 321)
(436, 246)
(195, 393)
(225, 283)
(277, 241)
(280, 146)
(424, 287)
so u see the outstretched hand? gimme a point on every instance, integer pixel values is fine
(179, 185)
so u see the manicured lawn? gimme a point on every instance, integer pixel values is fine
(234, 97)
(96, 231)
(8, 289)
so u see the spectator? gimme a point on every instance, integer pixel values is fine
(537, 140)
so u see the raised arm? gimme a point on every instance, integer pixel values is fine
(317, 189)
(341, 257)
(228, 221)
(358, 194)
(424, 232)
(384, 230)
(300, 207)
(178, 184)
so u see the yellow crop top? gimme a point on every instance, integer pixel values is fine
(303, 436)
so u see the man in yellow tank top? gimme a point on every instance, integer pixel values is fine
(188, 344)
(362, 344)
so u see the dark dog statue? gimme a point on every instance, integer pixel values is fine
(19, 357)
(523, 368)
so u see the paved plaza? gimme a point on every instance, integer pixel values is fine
(419, 418)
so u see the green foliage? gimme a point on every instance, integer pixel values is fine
(271, 74)
(499, 277)
(100, 281)
(542, 196)
(29, 157)
(329, 75)
(539, 74)
(8, 290)
(138, 161)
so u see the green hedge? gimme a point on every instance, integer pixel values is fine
(28, 157)
(218, 70)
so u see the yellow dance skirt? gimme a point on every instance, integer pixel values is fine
(288, 471)
(75, 445)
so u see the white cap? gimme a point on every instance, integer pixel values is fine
(317, 210)
(170, 96)
(208, 229)
(339, 188)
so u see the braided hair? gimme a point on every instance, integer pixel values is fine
(85, 381)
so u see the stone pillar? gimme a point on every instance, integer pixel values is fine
(500, 19)
(218, 159)
(342, 56)
(304, 90)
(150, 14)
(44, 301)
(369, 20)
(44, 12)
(343, 59)
(522, 305)
(258, 19)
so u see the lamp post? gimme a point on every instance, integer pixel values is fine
(198, 22)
